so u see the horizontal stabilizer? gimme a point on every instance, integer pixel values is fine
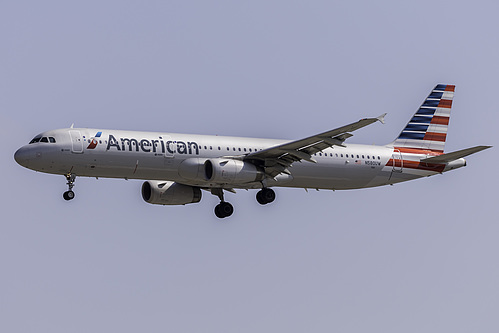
(449, 157)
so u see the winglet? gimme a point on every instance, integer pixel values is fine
(381, 118)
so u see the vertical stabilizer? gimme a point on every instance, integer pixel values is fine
(427, 130)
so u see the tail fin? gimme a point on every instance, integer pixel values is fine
(427, 129)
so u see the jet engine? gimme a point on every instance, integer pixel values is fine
(220, 171)
(169, 193)
(229, 171)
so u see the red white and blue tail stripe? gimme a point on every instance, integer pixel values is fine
(427, 130)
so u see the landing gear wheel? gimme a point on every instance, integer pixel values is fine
(218, 213)
(265, 196)
(68, 195)
(224, 209)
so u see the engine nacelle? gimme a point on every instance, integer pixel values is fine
(229, 171)
(169, 193)
(220, 171)
(192, 169)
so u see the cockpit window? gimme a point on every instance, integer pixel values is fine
(35, 139)
(45, 139)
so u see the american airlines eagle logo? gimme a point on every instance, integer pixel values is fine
(93, 141)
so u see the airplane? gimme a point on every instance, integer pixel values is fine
(177, 167)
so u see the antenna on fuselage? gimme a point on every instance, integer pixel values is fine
(72, 125)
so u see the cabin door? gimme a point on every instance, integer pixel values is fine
(76, 143)
(397, 161)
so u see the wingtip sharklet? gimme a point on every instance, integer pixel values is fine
(381, 118)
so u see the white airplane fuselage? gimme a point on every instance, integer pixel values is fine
(159, 156)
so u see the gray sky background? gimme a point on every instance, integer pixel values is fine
(415, 257)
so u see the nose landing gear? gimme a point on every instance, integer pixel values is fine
(69, 194)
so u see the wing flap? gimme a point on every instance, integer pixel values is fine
(300, 155)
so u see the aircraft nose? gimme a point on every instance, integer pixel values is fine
(22, 156)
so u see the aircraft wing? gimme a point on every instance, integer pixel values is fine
(278, 158)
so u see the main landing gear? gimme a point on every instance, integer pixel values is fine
(223, 209)
(265, 196)
(69, 194)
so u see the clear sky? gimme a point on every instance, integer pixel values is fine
(415, 257)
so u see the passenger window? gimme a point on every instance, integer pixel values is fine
(362, 156)
(44, 139)
(367, 156)
(52, 140)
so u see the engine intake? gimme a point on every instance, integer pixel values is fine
(169, 193)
